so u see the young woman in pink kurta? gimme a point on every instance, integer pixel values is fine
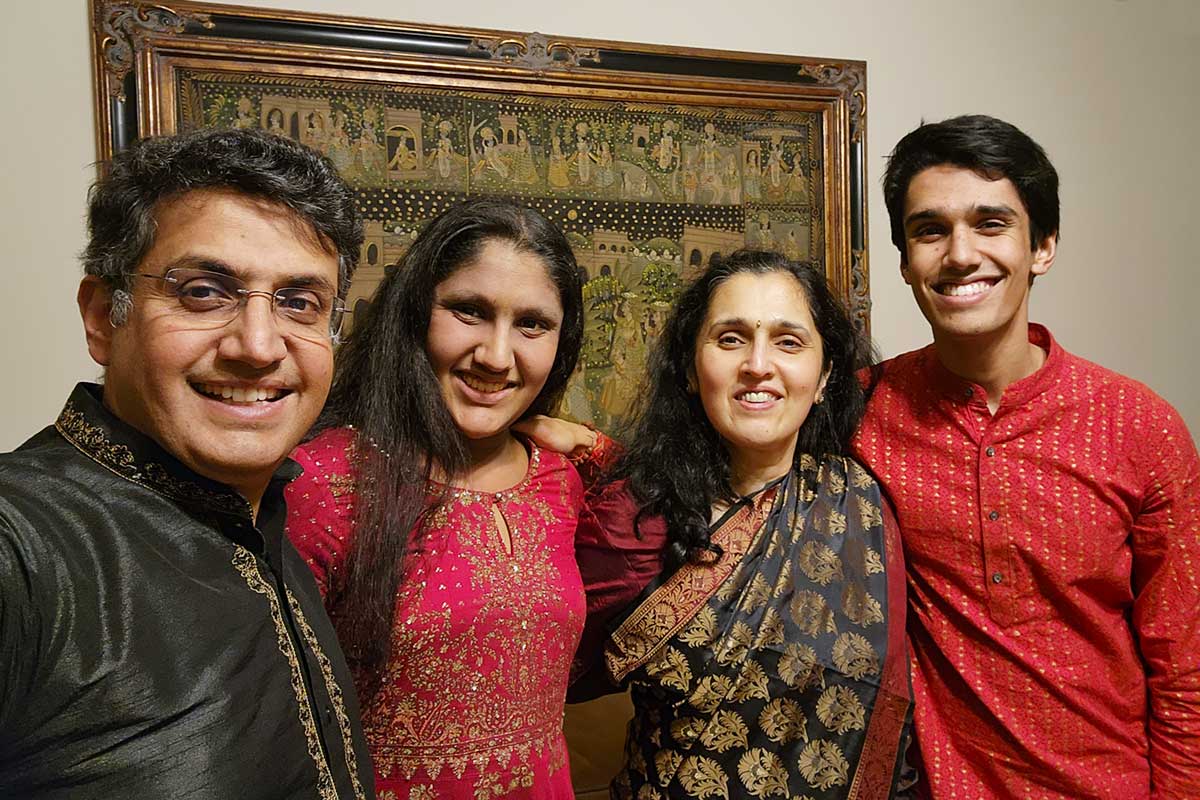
(443, 544)
(486, 623)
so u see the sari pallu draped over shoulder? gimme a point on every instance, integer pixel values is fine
(779, 668)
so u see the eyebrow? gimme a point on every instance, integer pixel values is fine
(480, 299)
(742, 322)
(295, 280)
(998, 210)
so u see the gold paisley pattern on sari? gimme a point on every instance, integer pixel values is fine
(759, 673)
(840, 710)
(823, 765)
(678, 600)
(703, 630)
(762, 773)
(703, 778)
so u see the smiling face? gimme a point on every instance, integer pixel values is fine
(969, 260)
(231, 401)
(493, 336)
(759, 368)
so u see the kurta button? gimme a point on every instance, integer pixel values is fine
(991, 451)
(993, 515)
(997, 577)
(329, 711)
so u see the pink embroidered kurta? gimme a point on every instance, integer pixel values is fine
(488, 616)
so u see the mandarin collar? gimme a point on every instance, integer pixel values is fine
(122, 449)
(964, 392)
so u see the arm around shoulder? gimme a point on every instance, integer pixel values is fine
(589, 449)
(618, 556)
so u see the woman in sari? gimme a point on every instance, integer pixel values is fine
(744, 575)
(444, 545)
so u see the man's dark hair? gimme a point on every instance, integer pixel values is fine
(988, 146)
(122, 204)
(385, 387)
(676, 463)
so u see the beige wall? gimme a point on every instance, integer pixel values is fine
(1108, 87)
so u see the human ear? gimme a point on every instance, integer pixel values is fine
(904, 269)
(822, 383)
(94, 299)
(691, 384)
(1043, 255)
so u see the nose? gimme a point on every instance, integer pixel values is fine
(494, 352)
(960, 248)
(254, 337)
(758, 358)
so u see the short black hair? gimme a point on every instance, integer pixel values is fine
(988, 146)
(122, 203)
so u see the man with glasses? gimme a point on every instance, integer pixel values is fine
(159, 637)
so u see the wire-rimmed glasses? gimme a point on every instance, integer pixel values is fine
(214, 299)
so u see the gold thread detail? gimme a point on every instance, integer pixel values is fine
(247, 565)
(334, 689)
(674, 604)
(93, 442)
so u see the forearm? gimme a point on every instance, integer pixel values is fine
(594, 462)
(1174, 733)
(1166, 545)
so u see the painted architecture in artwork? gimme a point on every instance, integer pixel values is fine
(646, 195)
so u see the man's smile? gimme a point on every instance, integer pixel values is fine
(240, 394)
(959, 289)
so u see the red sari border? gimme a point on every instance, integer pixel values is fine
(876, 766)
(665, 612)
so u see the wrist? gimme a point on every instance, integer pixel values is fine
(586, 440)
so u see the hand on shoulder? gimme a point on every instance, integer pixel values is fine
(551, 433)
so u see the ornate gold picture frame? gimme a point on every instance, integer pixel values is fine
(650, 158)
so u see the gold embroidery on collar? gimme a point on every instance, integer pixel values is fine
(674, 604)
(247, 565)
(93, 442)
(334, 689)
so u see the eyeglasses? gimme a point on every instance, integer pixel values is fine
(214, 299)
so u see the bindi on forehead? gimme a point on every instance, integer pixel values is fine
(759, 323)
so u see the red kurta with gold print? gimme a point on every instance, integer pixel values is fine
(487, 620)
(1053, 555)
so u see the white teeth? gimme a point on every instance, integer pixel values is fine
(482, 386)
(965, 289)
(237, 394)
(757, 397)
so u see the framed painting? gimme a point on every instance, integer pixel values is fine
(650, 158)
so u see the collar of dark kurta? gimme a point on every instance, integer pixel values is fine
(122, 449)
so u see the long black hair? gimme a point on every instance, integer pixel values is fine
(385, 388)
(676, 464)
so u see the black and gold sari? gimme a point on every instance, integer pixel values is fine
(778, 669)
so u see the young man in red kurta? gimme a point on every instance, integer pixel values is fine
(1049, 508)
